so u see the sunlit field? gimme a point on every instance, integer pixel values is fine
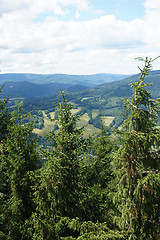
(49, 125)
(107, 120)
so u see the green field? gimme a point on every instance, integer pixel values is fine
(49, 125)
(75, 110)
(95, 113)
(86, 98)
(106, 120)
(89, 128)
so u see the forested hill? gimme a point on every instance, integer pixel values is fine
(122, 87)
(106, 99)
(38, 85)
(85, 80)
(29, 90)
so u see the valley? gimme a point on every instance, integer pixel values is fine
(102, 103)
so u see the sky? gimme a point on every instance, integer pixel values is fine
(78, 36)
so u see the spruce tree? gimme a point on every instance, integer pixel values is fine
(97, 175)
(103, 148)
(65, 193)
(137, 163)
(58, 194)
(5, 121)
(4, 117)
(19, 160)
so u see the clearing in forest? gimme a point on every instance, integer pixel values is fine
(106, 120)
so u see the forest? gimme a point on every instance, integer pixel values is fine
(73, 188)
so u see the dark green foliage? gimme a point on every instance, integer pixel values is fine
(4, 117)
(97, 121)
(19, 160)
(5, 121)
(137, 164)
(97, 176)
(103, 148)
(91, 231)
(58, 193)
(68, 146)
(73, 187)
(37, 119)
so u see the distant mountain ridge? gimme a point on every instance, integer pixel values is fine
(83, 80)
(26, 89)
(38, 85)
(106, 99)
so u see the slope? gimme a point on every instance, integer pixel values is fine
(85, 80)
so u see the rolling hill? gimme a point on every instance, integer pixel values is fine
(105, 99)
(85, 80)
(103, 102)
(38, 85)
(26, 89)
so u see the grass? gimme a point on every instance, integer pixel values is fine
(83, 120)
(95, 113)
(49, 126)
(86, 98)
(89, 129)
(107, 120)
(75, 110)
(52, 114)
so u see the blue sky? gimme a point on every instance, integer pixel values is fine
(126, 10)
(78, 36)
(123, 9)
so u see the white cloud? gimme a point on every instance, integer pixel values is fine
(9, 6)
(151, 20)
(35, 7)
(152, 4)
(103, 44)
(82, 5)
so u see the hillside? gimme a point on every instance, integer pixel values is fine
(105, 99)
(85, 80)
(29, 90)
(38, 85)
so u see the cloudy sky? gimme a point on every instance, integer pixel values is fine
(78, 36)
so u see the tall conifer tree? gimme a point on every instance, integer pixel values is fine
(58, 193)
(137, 163)
(4, 118)
(19, 159)
(5, 121)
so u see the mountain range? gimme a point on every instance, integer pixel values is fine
(38, 85)
(103, 93)
(86, 80)
(106, 99)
